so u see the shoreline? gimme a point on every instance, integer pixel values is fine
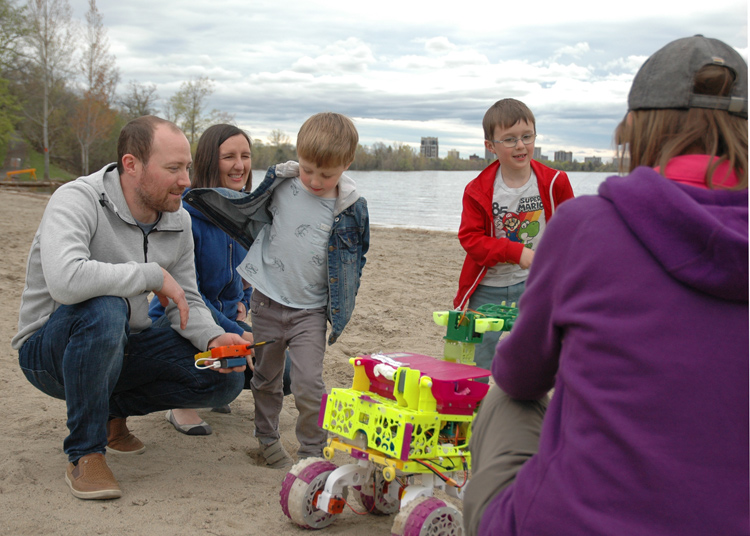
(203, 485)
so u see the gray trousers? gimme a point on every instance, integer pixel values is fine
(505, 434)
(484, 352)
(303, 331)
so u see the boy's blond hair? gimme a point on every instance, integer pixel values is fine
(504, 114)
(328, 139)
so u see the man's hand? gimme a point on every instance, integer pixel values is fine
(172, 290)
(527, 256)
(228, 339)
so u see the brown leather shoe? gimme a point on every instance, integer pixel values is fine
(120, 440)
(92, 478)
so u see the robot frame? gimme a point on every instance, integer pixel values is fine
(406, 424)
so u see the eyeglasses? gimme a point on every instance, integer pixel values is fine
(527, 139)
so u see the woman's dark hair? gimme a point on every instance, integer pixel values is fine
(206, 161)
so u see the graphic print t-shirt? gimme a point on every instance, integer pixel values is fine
(288, 262)
(519, 217)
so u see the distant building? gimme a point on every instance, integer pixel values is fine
(474, 157)
(429, 148)
(488, 155)
(563, 156)
(453, 153)
(595, 160)
(537, 153)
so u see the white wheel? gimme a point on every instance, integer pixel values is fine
(298, 490)
(428, 516)
(373, 493)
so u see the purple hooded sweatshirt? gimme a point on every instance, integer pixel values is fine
(636, 312)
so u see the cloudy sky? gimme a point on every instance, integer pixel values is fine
(403, 69)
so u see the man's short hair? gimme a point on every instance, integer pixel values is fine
(328, 139)
(504, 114)
(137, 138)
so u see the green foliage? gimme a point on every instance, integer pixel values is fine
(36, 160)
(12, 31)
(404, 157)
(279, 150)
(9, 116)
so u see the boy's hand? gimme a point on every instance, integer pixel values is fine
(527, 256)
(287, 169)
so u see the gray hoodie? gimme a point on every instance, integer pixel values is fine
(88, 245)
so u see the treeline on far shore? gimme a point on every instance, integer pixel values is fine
(401, 157)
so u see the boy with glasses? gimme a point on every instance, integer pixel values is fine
(505, 211)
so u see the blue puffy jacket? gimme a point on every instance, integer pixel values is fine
(216, 259)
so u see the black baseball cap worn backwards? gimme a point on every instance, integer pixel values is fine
(667, 78)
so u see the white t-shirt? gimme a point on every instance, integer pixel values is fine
(288, 261)
(519, 216)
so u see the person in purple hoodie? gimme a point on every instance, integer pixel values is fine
(636, 313)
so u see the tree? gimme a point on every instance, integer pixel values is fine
(94, 117)
(186, 107)
(9, 109)
(278, 138)
(12, 30)
(49, 46)
(140, 99)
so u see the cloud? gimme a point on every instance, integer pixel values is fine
(405, 71)
(347, 56)
(577, 50)
(439, 45)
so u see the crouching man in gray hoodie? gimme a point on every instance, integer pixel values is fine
(84, 335)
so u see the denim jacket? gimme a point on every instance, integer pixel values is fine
(243, 215)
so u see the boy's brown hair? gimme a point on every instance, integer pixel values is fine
(328, 139)
(504, 114)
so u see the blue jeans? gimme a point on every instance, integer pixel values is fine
(484, 352)
(85, 354)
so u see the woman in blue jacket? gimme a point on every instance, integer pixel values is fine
(222, 159)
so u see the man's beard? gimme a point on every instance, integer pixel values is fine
(160, 201)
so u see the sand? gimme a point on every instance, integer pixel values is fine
(201, 485)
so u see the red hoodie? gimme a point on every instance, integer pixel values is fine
(477, 231)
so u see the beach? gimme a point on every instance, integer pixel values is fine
(202, 485)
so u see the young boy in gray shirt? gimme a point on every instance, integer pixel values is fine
(304, 265)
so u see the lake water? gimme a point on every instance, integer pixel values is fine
(424, 199)
(431, 199)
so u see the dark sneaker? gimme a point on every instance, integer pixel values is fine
(120, 440)
(275, 455)
(92, 478)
